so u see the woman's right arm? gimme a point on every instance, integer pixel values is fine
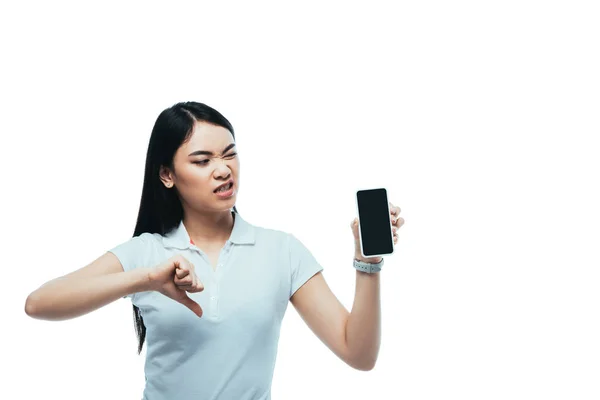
(85, 290)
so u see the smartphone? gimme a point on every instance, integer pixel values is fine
(374, 222)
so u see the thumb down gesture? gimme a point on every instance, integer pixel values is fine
(174, 278)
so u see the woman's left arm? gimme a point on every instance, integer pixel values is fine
(363, 329)
(355, 337)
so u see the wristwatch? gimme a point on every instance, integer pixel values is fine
(369, 268)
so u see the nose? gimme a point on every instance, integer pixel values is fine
(222, 167)
(223, 171)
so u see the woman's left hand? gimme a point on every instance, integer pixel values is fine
(397, 222)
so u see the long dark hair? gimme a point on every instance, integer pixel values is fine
(160, 208)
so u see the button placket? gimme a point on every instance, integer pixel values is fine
(214, 294)
(214, 298)
(222, 259)
(214, 304)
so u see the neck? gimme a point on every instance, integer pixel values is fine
(208, 229)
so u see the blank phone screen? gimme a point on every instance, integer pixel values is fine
(375, 222)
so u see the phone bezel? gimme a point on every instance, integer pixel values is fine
(358, 217)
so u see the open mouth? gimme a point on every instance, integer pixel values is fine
(225, 188)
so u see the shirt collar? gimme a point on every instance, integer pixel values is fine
(242, 233)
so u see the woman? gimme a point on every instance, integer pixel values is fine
(208, 288)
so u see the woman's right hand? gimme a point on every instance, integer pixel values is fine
(173, 278)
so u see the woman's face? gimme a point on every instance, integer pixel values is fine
(197, 174)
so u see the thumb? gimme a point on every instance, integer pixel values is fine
(191, 304)
(354, 226)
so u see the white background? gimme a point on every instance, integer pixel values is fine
(480, 118)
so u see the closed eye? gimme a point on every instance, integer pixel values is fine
(204, 162)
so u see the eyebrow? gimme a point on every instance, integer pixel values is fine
(210, 153)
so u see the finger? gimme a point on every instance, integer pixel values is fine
(199, 286)
(397, 222)
(181, 273)
(195, 285)
(192, 305)
(185, 283)
(187, 280)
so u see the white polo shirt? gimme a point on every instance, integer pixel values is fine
(229, 353)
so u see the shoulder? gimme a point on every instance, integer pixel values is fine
(138, 244)
(149, 239)
(272, 240)
(272, 244)
(270, 235)
(281, 238)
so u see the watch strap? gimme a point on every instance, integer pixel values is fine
(368, 267)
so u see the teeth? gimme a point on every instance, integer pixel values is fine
(225, 188)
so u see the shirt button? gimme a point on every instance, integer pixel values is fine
(213, 298)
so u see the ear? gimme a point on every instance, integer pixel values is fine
(166, 176)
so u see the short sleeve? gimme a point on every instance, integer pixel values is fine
(133, 253)
(303, 264)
